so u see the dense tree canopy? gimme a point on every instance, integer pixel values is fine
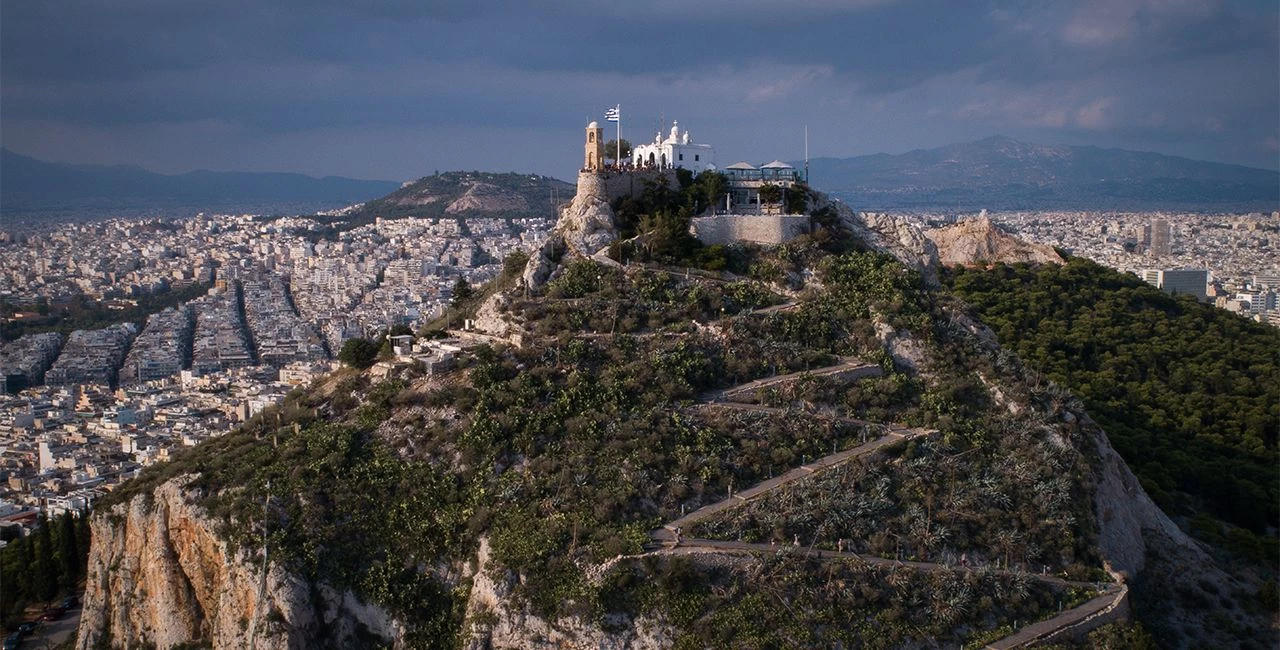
(358, 353)
(1189, 394)
(41, 566)
(611, 150)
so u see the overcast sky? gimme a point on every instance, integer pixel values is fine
(398, 89)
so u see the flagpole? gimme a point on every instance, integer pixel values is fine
(618, 147)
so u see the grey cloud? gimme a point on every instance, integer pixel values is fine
(874, 74)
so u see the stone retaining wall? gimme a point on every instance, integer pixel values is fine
(761, 229)
(1116, 612)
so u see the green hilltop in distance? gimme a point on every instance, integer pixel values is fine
(461, 194)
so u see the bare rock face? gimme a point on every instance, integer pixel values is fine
(1125, 513)
(585, 228)
(587, 225)
(890, 234)
(542, 262)
(492, 319)
(508, 627)
(978, 240)
(159, 574)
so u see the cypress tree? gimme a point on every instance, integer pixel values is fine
(46, 574)
(68, 551)
(26, 579)
(83, 537)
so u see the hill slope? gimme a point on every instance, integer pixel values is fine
(1189, 394)
(1002, 173)
(33, 187)
(645, 457)
(470, 194)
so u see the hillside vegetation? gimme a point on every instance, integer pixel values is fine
(1188, 394)
(566, 452)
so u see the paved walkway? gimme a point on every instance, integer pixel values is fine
(786, 306)
(1040, 631)
(669, 539)
(849, 369)
(667, 532)
(695, 545)
(683, 272)
(774, 410)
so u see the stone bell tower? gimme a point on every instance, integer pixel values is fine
(593, 160)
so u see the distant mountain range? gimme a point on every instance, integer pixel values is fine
(1002, 173)
(996, 173)
(34, 188)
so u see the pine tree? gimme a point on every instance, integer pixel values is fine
(68, 551)
(461, 292)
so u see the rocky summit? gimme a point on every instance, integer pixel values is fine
(978, 241)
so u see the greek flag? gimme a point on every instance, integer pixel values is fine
(614, 114)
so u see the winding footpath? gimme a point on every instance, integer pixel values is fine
(850, 368)
(1114, 597)
(667, 533)
(787, 412)
(669, 539)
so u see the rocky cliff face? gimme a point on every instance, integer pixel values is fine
(978, 240)
(587, 223)
(160, 574)
(497, 625)
(890, 234)
(1126, 514)
(585, 228)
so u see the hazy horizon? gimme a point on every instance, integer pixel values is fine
(569, 176)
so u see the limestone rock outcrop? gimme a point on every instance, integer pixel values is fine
(1127, 517)
(978, 240)
(160, 574)
(497, 624)
(542, 261)
(890, 234)
(587, 224)
(586, 227)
